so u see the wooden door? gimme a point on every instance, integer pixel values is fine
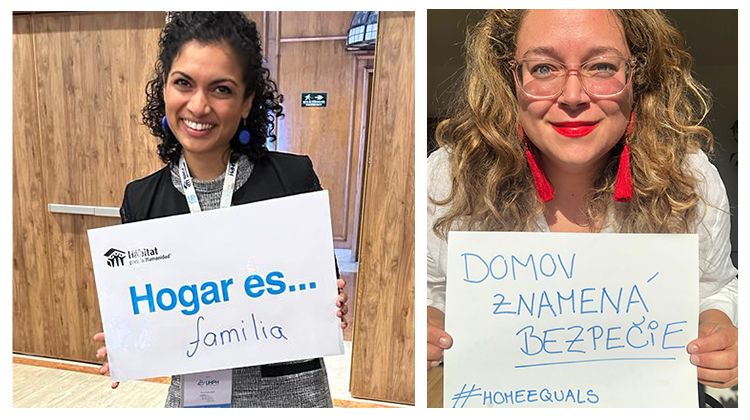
(312, 58)
(383, 346)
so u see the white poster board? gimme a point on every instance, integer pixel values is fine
(571, 320)
(240, 286)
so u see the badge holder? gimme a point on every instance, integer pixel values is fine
(207, 389)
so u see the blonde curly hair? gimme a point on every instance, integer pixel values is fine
(492, 187)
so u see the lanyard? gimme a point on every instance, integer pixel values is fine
(207, 389)
(192, 198)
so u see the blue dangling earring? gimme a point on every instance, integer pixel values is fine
(244, 136)
(165, 124)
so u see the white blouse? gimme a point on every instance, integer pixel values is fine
(718, 276)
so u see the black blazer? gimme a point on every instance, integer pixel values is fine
(274, 175)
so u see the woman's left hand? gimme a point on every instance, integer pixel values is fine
(715, 350)
(341, 303)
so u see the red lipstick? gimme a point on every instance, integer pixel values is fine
(575, 128)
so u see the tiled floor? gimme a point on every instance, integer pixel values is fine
(40, 382)
(37, 386)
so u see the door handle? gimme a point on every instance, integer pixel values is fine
(100, 211)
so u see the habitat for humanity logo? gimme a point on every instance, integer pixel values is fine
(115, 257)
(119, 258)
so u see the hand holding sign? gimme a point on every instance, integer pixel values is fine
(551, 319)
(101, 353)
(341, 303)
(437, 339)
(715, 350)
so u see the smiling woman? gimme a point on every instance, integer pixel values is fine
(579, 119)
(212, 106)
(205, 99)
(584, 121)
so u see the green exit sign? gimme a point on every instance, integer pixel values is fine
(314, 99)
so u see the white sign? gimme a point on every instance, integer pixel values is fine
(571, 320)
(240, 286)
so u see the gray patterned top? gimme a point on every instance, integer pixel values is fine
(250, 388)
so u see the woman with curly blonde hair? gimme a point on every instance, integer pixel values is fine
(584, 121)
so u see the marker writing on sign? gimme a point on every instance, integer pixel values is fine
(543, 395)
(255, 331)
(582, 334)
(546, 266)
(589, 300)
(588, 339)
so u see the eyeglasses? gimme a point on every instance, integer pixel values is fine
(545, 78)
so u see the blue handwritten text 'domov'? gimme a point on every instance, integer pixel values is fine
(529, 266)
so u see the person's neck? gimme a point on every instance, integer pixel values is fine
(206, 166)
(567, 211)
(571, 182)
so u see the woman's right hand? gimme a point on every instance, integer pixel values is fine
(101, 354)
(437, 339)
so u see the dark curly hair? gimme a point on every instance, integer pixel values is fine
(241, 35)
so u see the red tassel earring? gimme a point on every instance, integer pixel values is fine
(543, 187)
(624, 181)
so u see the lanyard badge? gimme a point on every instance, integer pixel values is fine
(190, 195)
(207, 389)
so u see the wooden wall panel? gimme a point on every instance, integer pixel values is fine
(313, 24)
(94, 85)
(91, 87)
(262, 25)
(328, 135)
(30, 263)
(383, 346)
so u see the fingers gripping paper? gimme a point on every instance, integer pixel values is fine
(241, 286)
(578, 320)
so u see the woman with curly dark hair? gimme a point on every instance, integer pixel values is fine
(212, 106)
